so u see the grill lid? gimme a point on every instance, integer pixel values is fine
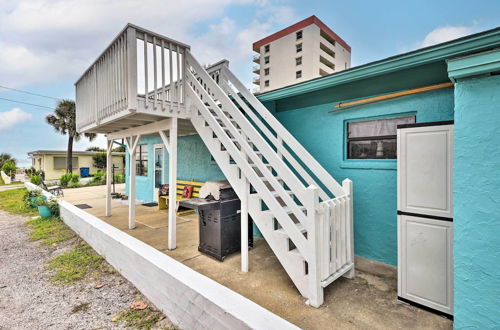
(213, 188)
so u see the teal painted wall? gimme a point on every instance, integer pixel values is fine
(477, 203)
(323, 135)
(193, 163)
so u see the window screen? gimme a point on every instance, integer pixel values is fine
(60, 163)
(141, 157)
(374, 139)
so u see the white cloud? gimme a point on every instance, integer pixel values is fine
(46, 40)
(11, 118)
(445, 33)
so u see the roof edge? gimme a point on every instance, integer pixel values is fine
(453, 48)
(297, 26)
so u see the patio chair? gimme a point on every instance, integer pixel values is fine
(56, 190)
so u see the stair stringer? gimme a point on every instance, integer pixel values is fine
(292, 262)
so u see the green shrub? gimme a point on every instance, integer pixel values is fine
(119, 178)
(75, 178)
(65, 179)
(74, 184)
(36, 180)
(99, 177)
(9, 168)
(100, 160)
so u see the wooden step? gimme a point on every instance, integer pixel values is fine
(286, 209)
(299, 226)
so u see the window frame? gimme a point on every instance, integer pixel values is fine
(267, 59)
(297, 50)
(298, 74)
(74, 163)
(266, 83)
(297, 37)
(267, 48)
(138, 154)
(369, 163)
(266, 72)
(297, 60)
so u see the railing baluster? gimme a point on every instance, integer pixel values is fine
(177, 82)
(146, 70)
(170, 65)
(155, 73)
(343, 231)
(164, 95)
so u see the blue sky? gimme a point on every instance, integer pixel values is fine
(46, 44)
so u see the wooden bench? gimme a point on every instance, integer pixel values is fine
(163, 200)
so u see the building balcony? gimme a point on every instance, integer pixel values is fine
(136, 80)
(256, 69)
(256, 58)
(256, 80)
(327, 40)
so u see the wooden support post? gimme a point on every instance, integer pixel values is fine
(244, 226)
(131, 196)
(109, 178)
(244, 215)
(172, 178)
(315, 298)
(347, 185)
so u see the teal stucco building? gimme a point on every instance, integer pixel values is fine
(465, 79)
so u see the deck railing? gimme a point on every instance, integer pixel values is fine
(140, 71)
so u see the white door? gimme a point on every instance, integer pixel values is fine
(425, 215)
(425, 262)
(425, 171)
(159, 172)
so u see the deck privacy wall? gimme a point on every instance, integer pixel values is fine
(476, 203)
(323, 135)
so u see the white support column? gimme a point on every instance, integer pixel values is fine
(347, 185)
(172, 178)
(166, 143)
(109, 165)
(315, 298)
(244, 217)
(244, 226)
(131, 196)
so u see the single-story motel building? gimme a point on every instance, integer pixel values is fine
(455, 81)
(53, 162)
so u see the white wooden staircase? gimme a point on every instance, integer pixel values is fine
(303, 213)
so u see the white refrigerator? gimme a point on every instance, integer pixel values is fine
(425, 215)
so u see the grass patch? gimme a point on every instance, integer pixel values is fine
(12, 202)
(139, 319)
(74, 265)
(1, 181)
(50, 231)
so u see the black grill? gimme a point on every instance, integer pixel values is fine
(219, 223)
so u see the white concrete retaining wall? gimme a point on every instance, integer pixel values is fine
(30, 186)
(5, 177)
(189, 299)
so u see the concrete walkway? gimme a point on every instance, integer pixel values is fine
(367, 302)
(11, 186)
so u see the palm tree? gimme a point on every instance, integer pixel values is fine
(64, 121)
(5, 157)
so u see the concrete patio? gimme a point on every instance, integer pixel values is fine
(368, 301)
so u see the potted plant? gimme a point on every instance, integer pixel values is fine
(43, 207)
(30, 197)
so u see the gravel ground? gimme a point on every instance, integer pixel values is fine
(29, 301)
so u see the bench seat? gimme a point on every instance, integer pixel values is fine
(163, 199)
